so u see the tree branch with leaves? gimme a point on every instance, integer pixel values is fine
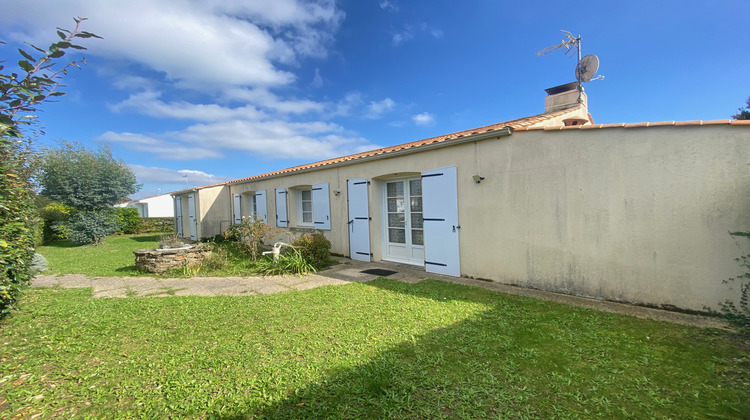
(21, 94)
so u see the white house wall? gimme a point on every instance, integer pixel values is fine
(159, 206)
(631, 214)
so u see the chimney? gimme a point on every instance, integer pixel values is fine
(563, 97)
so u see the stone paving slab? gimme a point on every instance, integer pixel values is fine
(347, 271)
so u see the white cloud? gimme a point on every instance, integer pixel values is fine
(147, 103)
(377, 109)
(317, 81)
(402, 37)
(266, 139)
(277, 139)
(265, 99)
(389, 6)
(158, 147)
(424, 118)
(410, 33)
(345, 106)
(130, 83)
(195, 43)
(154, 175)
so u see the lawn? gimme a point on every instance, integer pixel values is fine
(114, 258)
(382, 349)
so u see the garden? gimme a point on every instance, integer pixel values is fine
(363, 350)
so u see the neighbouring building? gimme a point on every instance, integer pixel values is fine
(639, 213)
(154, 206)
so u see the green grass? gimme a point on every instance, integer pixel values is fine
(114, 258)
(383, 349)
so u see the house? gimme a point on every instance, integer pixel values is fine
(154, 206)
(628, 212)
(201, 212)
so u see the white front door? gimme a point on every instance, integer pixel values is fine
(441, 222)
(192, 220)
(359, 219)
(178, 215)
(403, 226)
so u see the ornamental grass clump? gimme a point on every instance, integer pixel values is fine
(289, 262)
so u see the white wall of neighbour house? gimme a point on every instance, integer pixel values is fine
(158, 206)
(631, 214)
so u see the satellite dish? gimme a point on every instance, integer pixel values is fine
(587, 67)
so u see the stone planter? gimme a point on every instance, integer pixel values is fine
(161, 260)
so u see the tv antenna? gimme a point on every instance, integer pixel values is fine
(586, 67)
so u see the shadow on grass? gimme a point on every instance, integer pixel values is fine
(63, 244)
(149, 238)
(518, 358)
(131, 271)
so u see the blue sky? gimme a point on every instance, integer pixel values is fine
(198, 92)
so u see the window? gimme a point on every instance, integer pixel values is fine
(305, 207)
(312, 206)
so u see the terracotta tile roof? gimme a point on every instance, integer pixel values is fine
(513, 124)
(534, 122)
(173, 193)
(640, 125)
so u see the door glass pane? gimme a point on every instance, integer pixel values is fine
(395, 189)
(416, 204)
(397, 236)
(396, 220)
(395, 205)
(415, 187)
(417, 237)
(416, 221)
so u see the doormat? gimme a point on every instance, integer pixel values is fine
(379, 272)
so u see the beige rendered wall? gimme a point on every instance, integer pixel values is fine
(633, 214)
(214, 211)
(637, 214)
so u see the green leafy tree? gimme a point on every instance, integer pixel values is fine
(21, 93)
(84, 179)
(743, 113)
(91, 227)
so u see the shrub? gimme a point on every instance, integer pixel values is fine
(251, 233)
(91, 227)
(54, 216)
(128, 219)
(156, 224)
(316, 249)
(17, 221)
(291, 262)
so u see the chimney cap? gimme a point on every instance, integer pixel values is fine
(562, 88)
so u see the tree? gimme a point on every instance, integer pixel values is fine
(743, 113)
(20, 97)
(83, 179)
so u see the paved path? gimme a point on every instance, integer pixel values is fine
(346, 272)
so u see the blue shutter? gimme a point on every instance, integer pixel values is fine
(281, 215)
(321, 206)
